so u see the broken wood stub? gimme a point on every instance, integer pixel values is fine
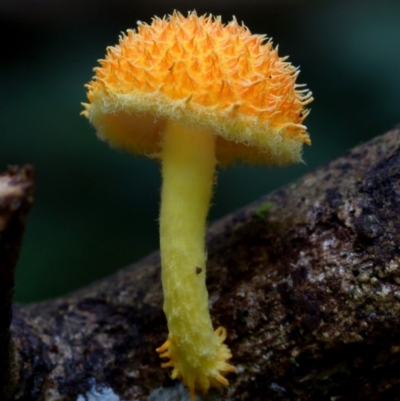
(16, 197)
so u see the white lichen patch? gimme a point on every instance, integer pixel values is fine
(174, 393)
(102, 393)
(180, 393)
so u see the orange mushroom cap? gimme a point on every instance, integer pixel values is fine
(196, 70)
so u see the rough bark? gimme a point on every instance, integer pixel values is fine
(16, 197)
(306, 280)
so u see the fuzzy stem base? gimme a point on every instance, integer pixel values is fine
(196, 352)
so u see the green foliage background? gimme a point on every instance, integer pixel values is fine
(96, 210)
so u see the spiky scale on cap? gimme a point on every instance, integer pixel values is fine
(199, 71)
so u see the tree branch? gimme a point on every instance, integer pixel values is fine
(306, 280)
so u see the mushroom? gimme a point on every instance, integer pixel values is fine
(195, 93)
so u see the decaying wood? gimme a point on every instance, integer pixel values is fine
(306, 280)
(16, 197)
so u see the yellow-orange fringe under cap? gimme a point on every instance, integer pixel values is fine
(199, 71)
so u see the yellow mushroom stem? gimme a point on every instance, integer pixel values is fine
(197, 353)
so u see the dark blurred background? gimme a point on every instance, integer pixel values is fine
(96, 209)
